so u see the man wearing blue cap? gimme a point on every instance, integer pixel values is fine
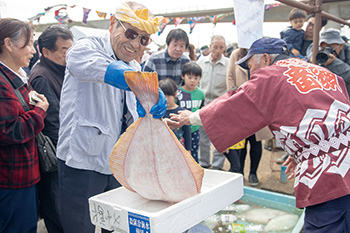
(307, 108)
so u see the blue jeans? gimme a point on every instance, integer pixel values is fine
(76, 186)
(18, 210)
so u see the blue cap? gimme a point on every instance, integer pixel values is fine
(265, 45)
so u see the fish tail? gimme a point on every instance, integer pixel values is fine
(145, 87)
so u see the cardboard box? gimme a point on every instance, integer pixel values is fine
(124, 211)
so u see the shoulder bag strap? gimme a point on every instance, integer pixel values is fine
(17, 92)
(23, 102)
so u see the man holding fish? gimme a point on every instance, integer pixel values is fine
(96, 108)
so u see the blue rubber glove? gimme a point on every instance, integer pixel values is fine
(115, 75)
(140, 110)
(158, 110)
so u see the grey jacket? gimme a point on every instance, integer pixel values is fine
(341, 66)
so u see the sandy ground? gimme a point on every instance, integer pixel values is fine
(268, 174)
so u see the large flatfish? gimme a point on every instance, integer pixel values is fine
(260, 215)
(148, 158)
(282, 223)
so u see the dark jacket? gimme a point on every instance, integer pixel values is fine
(341, 66)
(304, 46)
(293, 38)
(47, 79)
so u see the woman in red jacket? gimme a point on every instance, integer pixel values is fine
(19, 166)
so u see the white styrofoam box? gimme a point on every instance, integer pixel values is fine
(124, 211)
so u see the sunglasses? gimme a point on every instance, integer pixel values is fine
(132, 35)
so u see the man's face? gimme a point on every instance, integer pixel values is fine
(297, 23)
(337, 47)
(124, 48)
(217, 48)
(176, 49)
(310, 27)
(58, 56)
(255, 63)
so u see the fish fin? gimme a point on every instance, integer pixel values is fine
(119, 152)
(195, 168)
(145, 87)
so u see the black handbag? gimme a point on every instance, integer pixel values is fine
(46, 149)
(46, 153)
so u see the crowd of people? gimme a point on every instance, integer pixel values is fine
(220, 96)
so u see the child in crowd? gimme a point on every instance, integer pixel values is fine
(183, 133)
(293, 35)
(233, 156)
(190, 97)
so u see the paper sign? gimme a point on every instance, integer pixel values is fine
(249, 17)
(106, 216)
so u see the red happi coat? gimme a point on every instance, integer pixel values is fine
(307, 109)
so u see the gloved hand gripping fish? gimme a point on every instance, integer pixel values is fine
(148, 158)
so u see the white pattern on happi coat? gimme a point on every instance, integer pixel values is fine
(305, 135)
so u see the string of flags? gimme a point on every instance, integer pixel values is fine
(61, 14)
(62, 17)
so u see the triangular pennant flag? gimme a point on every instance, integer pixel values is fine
(58, 11)
(86, 15)
(216, 18)
(63, 19)
(36, 17)
(178, 20)
(193, 21)
(192, 24)
(101, 14)
(162, 24)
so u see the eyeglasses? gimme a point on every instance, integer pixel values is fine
(132, 35)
